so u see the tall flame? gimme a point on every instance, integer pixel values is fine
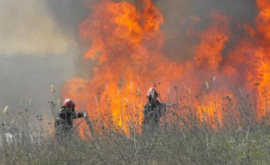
(126, 43)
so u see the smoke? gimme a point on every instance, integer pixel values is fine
(26, 81)
(184, 19)
(67, 14)
(28, 29)
(37, 50)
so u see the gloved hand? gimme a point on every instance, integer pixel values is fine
(84, 114)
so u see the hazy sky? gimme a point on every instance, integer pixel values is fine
(36, 51)
(27, 28)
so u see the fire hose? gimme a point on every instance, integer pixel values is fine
(89, 125)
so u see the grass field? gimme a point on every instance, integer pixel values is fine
(181, 140)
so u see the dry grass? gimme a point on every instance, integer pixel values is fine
(182, 139)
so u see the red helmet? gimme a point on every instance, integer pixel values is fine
(69, 103)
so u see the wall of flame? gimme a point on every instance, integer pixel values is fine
(126, 41)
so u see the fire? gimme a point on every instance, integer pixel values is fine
(126, 43)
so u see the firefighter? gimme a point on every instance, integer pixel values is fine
(65, 117)
(153, 110)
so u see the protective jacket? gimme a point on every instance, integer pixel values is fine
(64, 120)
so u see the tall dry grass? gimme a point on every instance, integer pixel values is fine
(182, 138)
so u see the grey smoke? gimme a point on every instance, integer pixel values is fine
(178, 19)
(36, 51)
(68, 14)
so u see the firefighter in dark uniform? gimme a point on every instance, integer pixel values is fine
(153, 110)
(65, 117)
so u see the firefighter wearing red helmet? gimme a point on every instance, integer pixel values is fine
(69, 103)
(65, 117)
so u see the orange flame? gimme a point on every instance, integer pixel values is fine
(126, 42)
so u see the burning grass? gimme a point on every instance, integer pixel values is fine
(209, 123)
(182, 138)
(127, 42)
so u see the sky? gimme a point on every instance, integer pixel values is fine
(38, 48)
